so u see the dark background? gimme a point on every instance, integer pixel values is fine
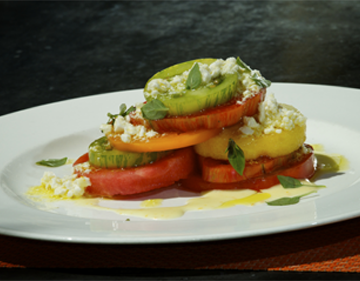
(52, 51)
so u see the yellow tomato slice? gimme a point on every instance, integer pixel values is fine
(164, 142)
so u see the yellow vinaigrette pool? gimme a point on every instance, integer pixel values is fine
(212, 200)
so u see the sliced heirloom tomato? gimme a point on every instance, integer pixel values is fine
(162, 173)
(220, 116)
(304, 168)
(164, 142)
(102, 155)
(82, 159)
(221, 171)
(191, 100)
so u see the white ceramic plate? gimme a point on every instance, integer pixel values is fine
(66, 129)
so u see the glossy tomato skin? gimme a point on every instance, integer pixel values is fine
(221, 171)
(221, 116)
(162, 173)
(83, 158)
(303, 168)
(169, 141)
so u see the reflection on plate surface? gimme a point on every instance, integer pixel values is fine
(66, 221)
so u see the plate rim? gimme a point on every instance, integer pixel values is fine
(117, 240)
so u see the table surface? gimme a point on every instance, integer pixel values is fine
(54, 51)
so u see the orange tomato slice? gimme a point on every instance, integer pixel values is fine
(168, 141)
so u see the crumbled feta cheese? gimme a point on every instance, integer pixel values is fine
(125, 137)
(120, 124)
(106, 128)
(246, 130)
(130, 132)
(229, 66)
(209, 73)
(141, 132)
(250, 87)
(251, 122)
(68, 186)
(205, 73)
(215, 68)
(137, 113)
(306, 149)
(151, 133)
(158, 86)
(130, 129)
(272, 118)
(126, 130)
(83, 167)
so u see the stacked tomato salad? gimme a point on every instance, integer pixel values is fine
(205, 124)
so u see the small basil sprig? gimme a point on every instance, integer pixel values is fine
(258, 79)
(52, 162)
(243, 65)
(154, 110)
(287, 200)
(194, 78)
(289, 182)
(236, 157)
(123, 112)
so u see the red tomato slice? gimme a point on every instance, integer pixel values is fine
(162, 173)
(304, 168)
(83, 158)
(221, 171)
(218, 117)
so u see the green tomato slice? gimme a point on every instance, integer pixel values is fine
(102, 155)
(190, 101)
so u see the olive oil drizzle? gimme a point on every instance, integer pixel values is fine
(327, 165)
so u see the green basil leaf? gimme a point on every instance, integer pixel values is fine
(52, 162)
(194, 78)
(112, 117)
(284, 201)
(263, 83)
(154, 110)
(260, 81)
(122, 109)
(289, 182)
(243, 65)
(236, 157)
(123, 112)
(131, 109)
